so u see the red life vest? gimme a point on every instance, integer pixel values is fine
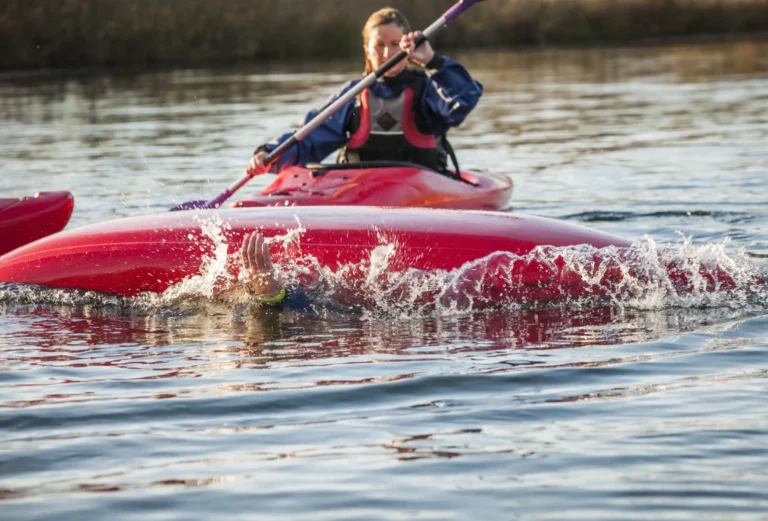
(393, 116)
(386, 129)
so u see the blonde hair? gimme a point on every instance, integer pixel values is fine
(386, 16)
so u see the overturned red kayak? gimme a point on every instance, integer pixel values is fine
(25, 220)
(385, 258)
(154, 253)
(383, 184)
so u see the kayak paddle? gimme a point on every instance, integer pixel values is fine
(449, 16)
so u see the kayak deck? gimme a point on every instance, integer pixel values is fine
(383, 184)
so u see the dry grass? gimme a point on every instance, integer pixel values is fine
(78, 33)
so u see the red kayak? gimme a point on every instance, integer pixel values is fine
(153, 253)
(25, 220)
(363, 255)
(383, 184)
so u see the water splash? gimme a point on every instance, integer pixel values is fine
(644, 276)
(217, 280)
(214, 272)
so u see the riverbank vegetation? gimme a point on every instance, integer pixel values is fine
(88, 33)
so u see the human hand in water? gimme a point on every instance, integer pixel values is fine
(257, 166)
(422, 54)
(257, 264)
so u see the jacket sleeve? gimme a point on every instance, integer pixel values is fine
(296, 299)
(325, 139)
(450, 94)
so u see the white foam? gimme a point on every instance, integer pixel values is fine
(713, 278)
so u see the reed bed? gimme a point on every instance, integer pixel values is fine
(87, 33)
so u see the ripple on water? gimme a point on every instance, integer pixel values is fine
(647, 402)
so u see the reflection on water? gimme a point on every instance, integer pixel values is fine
(193, 411)
(52, 328)
(216, 339)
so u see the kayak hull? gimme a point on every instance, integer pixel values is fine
(153, 253)
(26, 220)
(397, 186)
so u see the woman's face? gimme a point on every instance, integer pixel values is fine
(383, 43)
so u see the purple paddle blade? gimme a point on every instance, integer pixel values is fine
(457, 10)
(190, 205)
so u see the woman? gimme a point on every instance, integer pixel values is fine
(403, 117)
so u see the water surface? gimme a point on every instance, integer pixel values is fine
(626, 409)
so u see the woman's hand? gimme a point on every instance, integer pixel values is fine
(258, 268)
(257, 166)
(422, 54)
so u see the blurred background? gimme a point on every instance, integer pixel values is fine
(85, 33)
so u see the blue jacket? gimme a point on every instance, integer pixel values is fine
(297, 299)
(449, 95)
